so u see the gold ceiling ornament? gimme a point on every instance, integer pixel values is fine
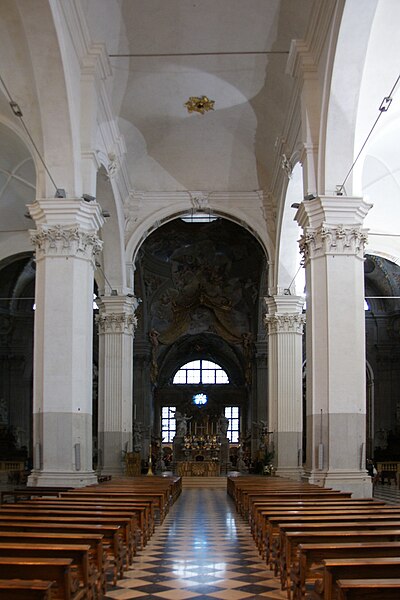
(199, 104)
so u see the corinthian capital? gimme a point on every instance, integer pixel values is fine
(116, 323)
(333, 239)
(59, 240)
(285, 323)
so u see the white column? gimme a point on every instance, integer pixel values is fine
(66, 243)
(333, 248)
(116, 323)
(285, 330)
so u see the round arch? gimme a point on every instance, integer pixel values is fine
(177, 209)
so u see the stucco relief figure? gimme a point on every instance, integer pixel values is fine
(3, 412)
(248, 352)
(137, 437)
(223, 423)
(181, 424)
(153, 336)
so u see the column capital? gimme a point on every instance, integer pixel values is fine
(285, 323)
(65, 241)
(333, 240)
(332, 225)
(66, 228)
(117, 314)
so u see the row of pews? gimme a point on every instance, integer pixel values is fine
(321, 543)
(69, 544)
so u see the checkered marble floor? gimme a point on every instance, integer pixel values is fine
(203, 550)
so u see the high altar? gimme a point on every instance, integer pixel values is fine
(201, 454)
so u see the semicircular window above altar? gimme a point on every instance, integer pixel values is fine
(200, 372)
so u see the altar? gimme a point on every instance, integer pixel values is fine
(206, 468)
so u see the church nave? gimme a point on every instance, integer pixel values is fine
(202, 550)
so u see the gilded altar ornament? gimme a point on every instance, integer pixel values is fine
(199, 104)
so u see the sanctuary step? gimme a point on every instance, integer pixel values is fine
(204, 483)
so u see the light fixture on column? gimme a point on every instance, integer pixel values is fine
(112, 291)
(199, 104)
(88, 198)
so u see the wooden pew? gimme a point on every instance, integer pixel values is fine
(127, 519)
(97, 555)
(312, 555)
(352, 568)
(257, 508)
(113, 540)
(300, 494)
(292, 539)
(339, 526)
(18, 493)
(48, 569)
(317, 521)
(159, 499)
(368, 589)
(143, 511)
(287, 513)
(25, 589)
(78, 519)
(79, 553)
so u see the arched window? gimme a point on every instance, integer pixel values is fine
(200, 372)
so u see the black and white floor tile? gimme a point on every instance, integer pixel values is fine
(203, 550)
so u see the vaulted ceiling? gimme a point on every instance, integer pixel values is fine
(231, 51)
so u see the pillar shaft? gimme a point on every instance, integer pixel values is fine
(116, 323)
(66, 243)
(285, 329)
(333, 248)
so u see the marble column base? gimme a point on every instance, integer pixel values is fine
(359, 483)
(290, 472)
(112, 445)
(61, 479)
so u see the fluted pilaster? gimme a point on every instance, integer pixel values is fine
(116, 326)
(285, 323)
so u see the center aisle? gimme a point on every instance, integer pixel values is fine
(202, 550)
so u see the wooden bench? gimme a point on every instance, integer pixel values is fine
(142, 510)
(285, 559)
(25, 589)
(97, 555)
(257, 508)
(66, 585)
(351, 568)
(113, 541)
(89, 578)
(18, 493)
(327, 521)
(124, 523)
(159, 499)
(292, 539)
(333, 510)
(368, 589)
(312, 555)
(126, 519)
